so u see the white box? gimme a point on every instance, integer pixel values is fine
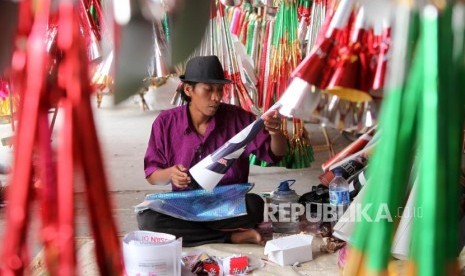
(290, 249)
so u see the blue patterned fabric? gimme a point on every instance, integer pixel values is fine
(201, 205)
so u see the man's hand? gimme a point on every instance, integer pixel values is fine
(179, 176)
(273, 123)
(278, 139)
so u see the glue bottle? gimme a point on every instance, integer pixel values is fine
(284, 202)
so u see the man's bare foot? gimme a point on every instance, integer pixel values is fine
(247, 236)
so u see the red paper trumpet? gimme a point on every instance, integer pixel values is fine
(356, 146)
(314, 68)
(346, 81)
(382, 45)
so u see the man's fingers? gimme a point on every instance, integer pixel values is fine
(180, 171)
(181, 178)
(182, 185)
(273, 124)
(181, 167)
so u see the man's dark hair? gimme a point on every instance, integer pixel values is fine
(184, 97)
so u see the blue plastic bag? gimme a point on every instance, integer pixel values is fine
(223, 202)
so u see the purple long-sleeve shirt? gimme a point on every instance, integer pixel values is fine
(173, 141)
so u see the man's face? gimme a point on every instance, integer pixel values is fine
(205, 97)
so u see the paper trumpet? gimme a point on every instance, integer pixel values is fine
(402, 239)
(209, 171)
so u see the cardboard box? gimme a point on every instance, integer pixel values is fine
(290, 249)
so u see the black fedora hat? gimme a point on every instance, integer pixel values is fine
(206, 69)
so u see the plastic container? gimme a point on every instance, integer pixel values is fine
(282, 200)
(339, 197)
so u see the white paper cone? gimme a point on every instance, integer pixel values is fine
(159, 98)
(401, 242)
(341, 16)
(206, 178)
(299, 100)
(209, 171)
(245, 62)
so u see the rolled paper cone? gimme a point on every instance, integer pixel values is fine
(349, 117)
(266, 63)
(314, 66)
(401, 243)
(341, 16)
(249, 36)
(233, 98)
(253, 93)
(243, 33)
(317, 20)
(228, 13)
(213, 10)
(359, 110)
(361, 153)
(94, 48)
(382, 60)
(324, 99)
(326, 177)
(373, 39)
(99, 14)
(242, 95)
(244, 61)
(369, 117)
(346, 81)
(357, 30)
(245, 16)
(302, 31)
(102, 76)
(235, 27)
(210, 170)
(256, 40)
(159, 59)
(330, 114)
(51, 38)
(356, 146)
(91, 33)
(299, 100)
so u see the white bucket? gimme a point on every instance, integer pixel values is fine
(151, 253)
